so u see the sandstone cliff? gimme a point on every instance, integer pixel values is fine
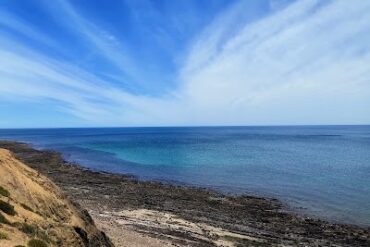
(34, 212)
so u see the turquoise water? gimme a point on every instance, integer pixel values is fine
(319, 170)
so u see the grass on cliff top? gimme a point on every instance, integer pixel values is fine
(4, 192)
(36, 243)
(7, 208)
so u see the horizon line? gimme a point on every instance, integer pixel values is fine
(184, 126)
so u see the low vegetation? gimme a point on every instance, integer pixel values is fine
(32, 231)
(7, 208)
(4, 192)
(27, 229)
(26, 207)
(36, 243)
(3, 235)
(3, 220)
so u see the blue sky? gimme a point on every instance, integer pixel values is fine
(184, 62)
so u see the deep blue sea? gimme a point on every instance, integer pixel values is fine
(320, 170)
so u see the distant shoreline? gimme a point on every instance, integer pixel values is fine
(109, 197)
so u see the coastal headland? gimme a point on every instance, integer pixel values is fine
(143, 213)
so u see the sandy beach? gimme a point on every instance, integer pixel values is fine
(141, 213)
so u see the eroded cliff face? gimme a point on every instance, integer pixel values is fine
(33, 209)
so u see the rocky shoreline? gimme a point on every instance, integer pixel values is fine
(158, 214)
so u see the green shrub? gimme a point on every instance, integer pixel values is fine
(36, 243)
(7, 208)
(26, 207)
(28, 229)
(16, 224)
(4, 220)
(19, 246)
(3, 235)
(4, 192)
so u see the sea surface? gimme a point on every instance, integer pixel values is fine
(321, 171)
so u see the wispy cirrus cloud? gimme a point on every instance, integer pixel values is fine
(303, 63)
(102, 41)
(17, 26)
(305, 58)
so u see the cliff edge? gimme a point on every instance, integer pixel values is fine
(34, 212)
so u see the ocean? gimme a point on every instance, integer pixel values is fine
(323, 171)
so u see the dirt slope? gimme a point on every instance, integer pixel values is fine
(32, 207)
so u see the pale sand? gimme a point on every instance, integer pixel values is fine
(136, 228)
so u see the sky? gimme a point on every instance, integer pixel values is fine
(92, 63)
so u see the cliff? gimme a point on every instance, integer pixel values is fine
(34, 212)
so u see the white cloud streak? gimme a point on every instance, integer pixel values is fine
(300, 51)
(17, 25)
(102, 42)
(300, 65)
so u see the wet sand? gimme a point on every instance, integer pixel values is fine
(142, 213)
